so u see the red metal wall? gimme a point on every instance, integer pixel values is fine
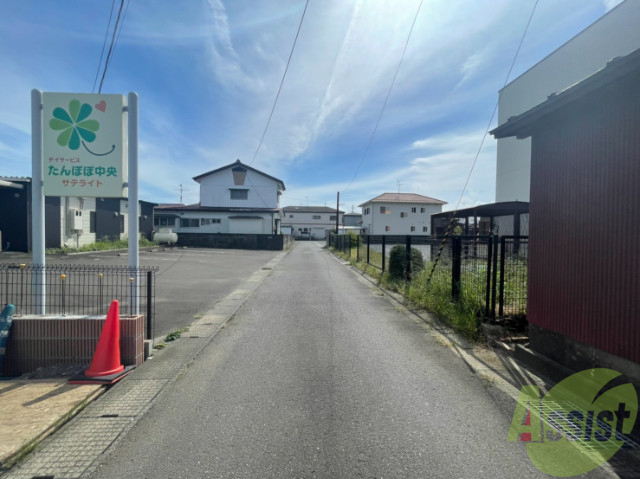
(585, 221)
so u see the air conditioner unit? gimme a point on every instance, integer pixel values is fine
(74, 218)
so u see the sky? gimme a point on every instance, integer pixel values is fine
(207, 73)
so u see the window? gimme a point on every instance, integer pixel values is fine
(387, 228)
(92, 222)
(413, 228)
(290, 216)
(383, 210)
(163, 221)
(403, 214)
(367, 211)
(332, 218)
(425, 229)
(317, 217)
(210, 221)
(239, 194)
(422, 210)
(189, 222)
(413, 210)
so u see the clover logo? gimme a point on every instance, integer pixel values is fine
(75, 126)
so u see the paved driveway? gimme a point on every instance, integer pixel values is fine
(188, 281)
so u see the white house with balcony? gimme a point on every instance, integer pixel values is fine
(234, 199)
(311, 221)
(399, 214)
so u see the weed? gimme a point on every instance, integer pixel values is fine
(100, 246)
(160, 346)
(173, 335)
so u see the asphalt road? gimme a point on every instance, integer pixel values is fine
(188, 281)
(317, 375)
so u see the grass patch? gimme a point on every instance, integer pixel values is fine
(160, 346)
(100, 246)
(173, 335)
(462, 315)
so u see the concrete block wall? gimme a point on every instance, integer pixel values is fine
(48, 341)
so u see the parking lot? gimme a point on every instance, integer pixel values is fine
(188, 280)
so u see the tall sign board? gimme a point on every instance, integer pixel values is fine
(79, 147)
(83, 145)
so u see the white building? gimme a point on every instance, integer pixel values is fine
(615, 34)
(70, 221)
(314, 220)
(235, 198)
(399, 214)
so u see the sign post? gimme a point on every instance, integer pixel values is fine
(134, 225)
(37, 202)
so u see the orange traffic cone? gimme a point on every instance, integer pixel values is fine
(105, 366)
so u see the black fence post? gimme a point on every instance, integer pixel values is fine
(368, 247)
(149, 305)
(487, 300)
(495, 240)
(383, 252)
(350, 239)
(503, 249)
(408, 257)
(456, 267)
(358, 249)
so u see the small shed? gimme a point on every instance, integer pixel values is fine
(585, 200)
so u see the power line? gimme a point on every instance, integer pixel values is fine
(104, 45)
(486, 132)
(113, 39)
(375, 129)
(124, 15)
(273, 108)
(495, 108)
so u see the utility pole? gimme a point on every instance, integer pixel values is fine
(180, 193)
(337, 212)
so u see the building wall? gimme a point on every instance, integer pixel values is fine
(214, 227)
(86, 206)
(399, 219)
(351, 220)
(308, 221)
(15, 217)
(615, 34)
(584, 255)
(215, 191)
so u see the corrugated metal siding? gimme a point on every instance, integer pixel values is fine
(585, 229)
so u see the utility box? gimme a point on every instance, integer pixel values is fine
(74, 219)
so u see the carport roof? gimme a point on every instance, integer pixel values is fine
(505, 208)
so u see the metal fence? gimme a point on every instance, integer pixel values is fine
(489, 271)
(85, 290)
